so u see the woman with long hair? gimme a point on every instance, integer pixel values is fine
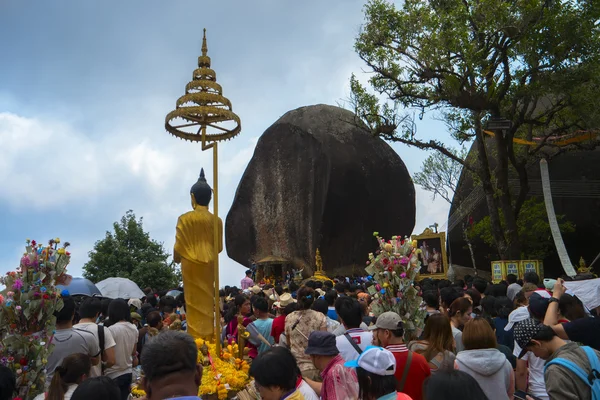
(437, 344)
(459, 313)
(67, 376)
(126, 338)
(298, 327)
(484, 362)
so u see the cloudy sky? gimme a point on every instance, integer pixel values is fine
(85, 87)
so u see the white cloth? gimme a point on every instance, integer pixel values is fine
(361, 337)
(109, 342)
(307, 391)
(126, 336)
(587, 291)
(536, 385)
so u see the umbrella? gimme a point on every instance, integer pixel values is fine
(120, 288)
(174, 292)
(81, 287)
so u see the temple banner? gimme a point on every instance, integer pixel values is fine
(501, 269)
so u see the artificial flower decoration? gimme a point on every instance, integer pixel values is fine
(393, 269)
(27, 307)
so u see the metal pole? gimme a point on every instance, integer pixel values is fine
(216, 247)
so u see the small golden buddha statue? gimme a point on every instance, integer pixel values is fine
(194, 249)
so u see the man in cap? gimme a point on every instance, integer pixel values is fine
(562, 382)
(529, 374)
(339, 382)
(411, 368)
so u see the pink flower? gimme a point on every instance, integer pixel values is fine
(10, 294)
(403, 275)
(18, 285)
(1, 299)
(404, 261)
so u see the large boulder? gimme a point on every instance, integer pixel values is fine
(575, 194)
(319, 180)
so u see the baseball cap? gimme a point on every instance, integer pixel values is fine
(538, 305)
(388, 320)
(518, 315)
(322, 343)
(375, 360)
(524, 332)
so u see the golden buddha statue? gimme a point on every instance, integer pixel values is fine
(319, 274)
(194, 249)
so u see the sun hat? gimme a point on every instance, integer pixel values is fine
(518, 315)
(136, 316)
(322, 343)
(524, 332)
(137, 303)
(284, 300)
(388, 320)
(255, 289)
(320, 291)
(375, 360)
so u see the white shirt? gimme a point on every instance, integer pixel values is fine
(536, 385)
(125, 335)
(109, 342)
(307, 391)
(361, 337)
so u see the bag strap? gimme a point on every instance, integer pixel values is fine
(576, 369)
(353, 343)
(405, 372)
(101, 338)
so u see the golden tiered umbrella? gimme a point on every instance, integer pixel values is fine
(204, 115)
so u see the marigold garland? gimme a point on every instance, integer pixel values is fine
(226, 374)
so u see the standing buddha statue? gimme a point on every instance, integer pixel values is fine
(194, 249)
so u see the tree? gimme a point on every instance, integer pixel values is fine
(129, 252)
(534, 230)
(440, 174)
(535, 63)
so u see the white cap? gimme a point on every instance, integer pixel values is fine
(518, 315)
(375, 360)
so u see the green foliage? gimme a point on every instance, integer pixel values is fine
(129, 252)
(534, 230)
(535, 63)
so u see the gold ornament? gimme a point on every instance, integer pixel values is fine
(204, 115)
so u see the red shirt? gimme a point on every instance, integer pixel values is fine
(278, 327)
(418, 372)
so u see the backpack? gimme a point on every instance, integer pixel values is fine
(592, 380)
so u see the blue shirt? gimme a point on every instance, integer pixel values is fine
(332, 314)
(264, 327)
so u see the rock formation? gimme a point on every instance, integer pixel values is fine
(319, 179)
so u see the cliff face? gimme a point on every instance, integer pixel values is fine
(319, 180)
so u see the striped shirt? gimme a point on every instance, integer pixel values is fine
(339, 382)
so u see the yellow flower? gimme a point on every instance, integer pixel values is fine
(57, 240)
(61, 251)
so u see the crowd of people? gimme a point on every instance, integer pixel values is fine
(320, 340)
(516, 338)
